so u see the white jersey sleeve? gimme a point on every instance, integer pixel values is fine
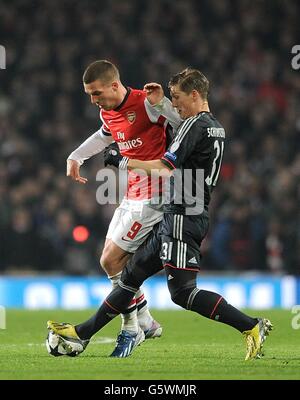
(91, 146)
(164, 108)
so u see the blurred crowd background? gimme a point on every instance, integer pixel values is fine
(242, 46)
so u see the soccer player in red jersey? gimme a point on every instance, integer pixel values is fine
(140, 132)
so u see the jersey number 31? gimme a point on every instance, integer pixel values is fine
(213, 177)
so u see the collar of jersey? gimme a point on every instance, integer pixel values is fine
(124, 100)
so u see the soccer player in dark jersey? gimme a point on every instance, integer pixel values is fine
(175, 241)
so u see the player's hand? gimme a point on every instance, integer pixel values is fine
(112, 156)
(155, 92)
(73, 171)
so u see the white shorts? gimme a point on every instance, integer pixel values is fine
(131, 224)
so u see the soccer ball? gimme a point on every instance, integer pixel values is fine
(59, 346)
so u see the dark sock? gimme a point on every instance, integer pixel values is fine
(102, 317)
(116, 303)
(212, 305)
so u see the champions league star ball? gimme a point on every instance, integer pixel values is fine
(58, 346)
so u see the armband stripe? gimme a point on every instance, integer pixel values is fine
(123, 163)
(168, 163)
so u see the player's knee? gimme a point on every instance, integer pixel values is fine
(111, 263)
(133, 275)
(180, 296)
(181, 286)
(104, 262)
(178, 299)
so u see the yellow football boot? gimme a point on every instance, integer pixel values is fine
(69, 339)
(67, 331)
(256, 337)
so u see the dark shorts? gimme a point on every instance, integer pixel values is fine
(181, 237)
(174, 243)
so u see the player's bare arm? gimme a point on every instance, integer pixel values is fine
(91, 146)
(157, 99)
(153, 166)
(73, 170)
(154, 92)
(112, 156)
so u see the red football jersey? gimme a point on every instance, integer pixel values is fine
(139, 130)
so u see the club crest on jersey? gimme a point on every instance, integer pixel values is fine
(131, 116)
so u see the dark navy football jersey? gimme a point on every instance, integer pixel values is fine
(196, 156)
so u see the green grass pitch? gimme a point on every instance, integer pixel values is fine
(191, 347)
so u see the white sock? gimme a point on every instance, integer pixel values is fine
(129, 320)
(145, 319)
